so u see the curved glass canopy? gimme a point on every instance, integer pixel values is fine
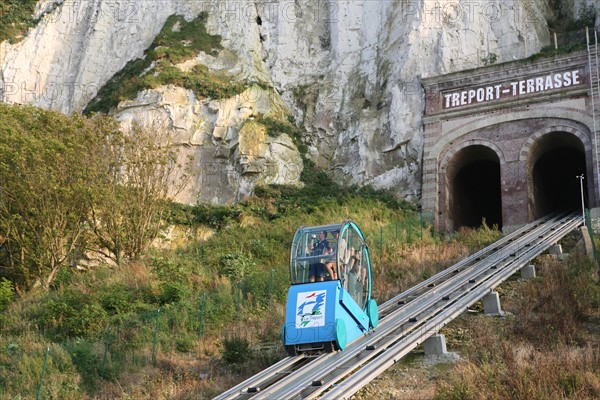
(332, 252)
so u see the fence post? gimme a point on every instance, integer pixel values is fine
(271, 284)
(106, 346)
(39, 392)
(154, 340)
(202, 305)
(380, 245)
(239, 298)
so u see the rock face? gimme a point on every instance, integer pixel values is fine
(348, 71)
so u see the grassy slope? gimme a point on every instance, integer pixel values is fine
(234, 275)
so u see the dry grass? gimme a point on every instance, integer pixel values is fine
(549, 350)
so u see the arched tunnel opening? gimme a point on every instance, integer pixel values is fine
(557, 160)
(474, 186)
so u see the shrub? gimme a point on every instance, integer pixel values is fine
(16, 17)
(172, 292)
(157, 67)
(117, 299)
(6, 293)
(75, 314)
(237, 266)
(185, 343)
(236, 351)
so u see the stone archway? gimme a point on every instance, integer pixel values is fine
(471, 176)
(554, 158)
(543, 137)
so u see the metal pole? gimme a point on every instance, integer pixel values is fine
(106, 346)
(580, 177)
(39, 392)
(154, 340)
(202, 306)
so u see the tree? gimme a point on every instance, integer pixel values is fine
(70, 185)
(133, 189)
(44, 187)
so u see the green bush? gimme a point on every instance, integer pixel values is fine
(237, 266)
(185, 343)
(6, 293)
(16, 17)
(236, 351)
(117, 299)
(74, 314)
(172, 292)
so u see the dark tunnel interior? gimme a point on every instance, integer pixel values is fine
(475, 188)
(555, 186)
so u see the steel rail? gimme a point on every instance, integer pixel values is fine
(407, 325)
(454, 308)
(255, 381)
(392, 303)
(357, 355)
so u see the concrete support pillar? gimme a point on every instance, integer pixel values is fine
(555, 250)
(491, 304)
(435, 345)
(528, 272)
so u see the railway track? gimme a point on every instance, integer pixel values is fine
(406, 320)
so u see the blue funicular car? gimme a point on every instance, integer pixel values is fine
(329, 302)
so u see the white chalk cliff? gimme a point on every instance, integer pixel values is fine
(348, 71)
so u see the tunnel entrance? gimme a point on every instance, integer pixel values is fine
(556, 160)
(474, 188)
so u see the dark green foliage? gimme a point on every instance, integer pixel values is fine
(185, 343)
(216, 217)
(563, 21)
(63, 277)
(85, 359)
(187, 40)
(73, 314)
(237, 266)
(319, 187)
(16, 17)
(156, 68)
(236, 351)
(6, 293)
(172, 292)
(49, 211)
(118, 299)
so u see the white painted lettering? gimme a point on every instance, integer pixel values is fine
(539, 84)
(549, 83)
(530, 88)
(480, 95)
(472, 94)
(489, 93)
(567, 79)
(557, 81)
(514, 88)
(576, 77)
(455, 99)
(447, 97)
(536, 84)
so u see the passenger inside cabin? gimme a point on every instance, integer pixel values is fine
(330, 265)
(318, 247)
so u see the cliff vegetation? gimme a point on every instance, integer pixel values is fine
(178, 41)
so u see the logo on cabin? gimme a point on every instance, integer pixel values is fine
(310, 309)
